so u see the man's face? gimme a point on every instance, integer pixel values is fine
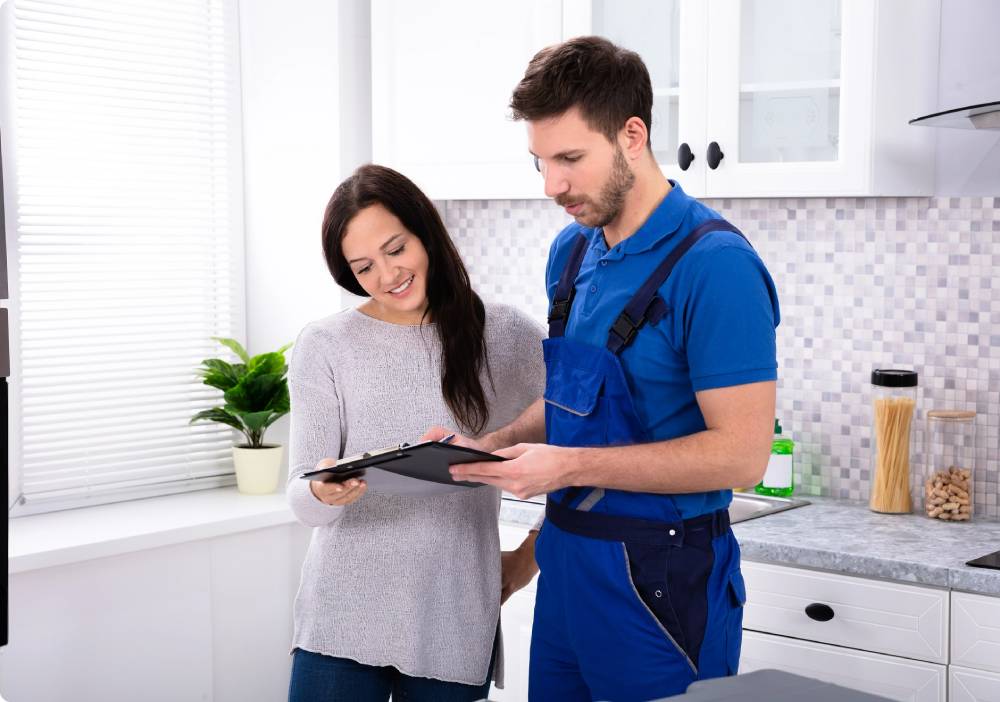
(584, 172)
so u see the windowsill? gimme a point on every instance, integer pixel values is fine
(59, 538)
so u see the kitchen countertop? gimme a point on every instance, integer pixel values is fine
(847, 537)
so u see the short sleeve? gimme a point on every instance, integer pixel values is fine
(730, 320)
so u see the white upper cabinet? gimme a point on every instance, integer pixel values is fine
(668, 35)
(769, 97)
(442, 76)
(783, 97)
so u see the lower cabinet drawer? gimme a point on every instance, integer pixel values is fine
(966, 685)
(877, 674)
(975, 631)
(890, 618)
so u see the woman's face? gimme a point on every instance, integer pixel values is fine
(390, 263)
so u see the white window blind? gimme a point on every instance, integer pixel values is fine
(128, 187)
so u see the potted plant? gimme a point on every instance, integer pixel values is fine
(256, 395)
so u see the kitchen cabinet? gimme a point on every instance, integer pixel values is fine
(885, 638)
(968, 685)
(975, 631)
(890, 618)
(975, 648)
(797, 98)
(442, 75)
(895, 678)
(898, 640)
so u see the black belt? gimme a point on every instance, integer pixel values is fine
(613, 527)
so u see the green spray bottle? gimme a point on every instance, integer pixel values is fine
(778, 481)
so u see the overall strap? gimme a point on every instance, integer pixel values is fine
(646, 305)
(562, 300)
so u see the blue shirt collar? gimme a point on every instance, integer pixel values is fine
(664, 221)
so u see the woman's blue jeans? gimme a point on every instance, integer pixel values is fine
(319, 678)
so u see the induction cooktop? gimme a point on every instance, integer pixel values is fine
(990, 560)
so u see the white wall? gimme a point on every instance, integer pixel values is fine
(291, 128)
(968, 161)
(306, 117)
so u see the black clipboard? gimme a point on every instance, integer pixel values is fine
(417, 469)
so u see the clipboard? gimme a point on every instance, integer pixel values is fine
(405, 469)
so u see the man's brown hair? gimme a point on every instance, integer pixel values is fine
(607, 83)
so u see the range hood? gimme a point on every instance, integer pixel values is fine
(984, 116)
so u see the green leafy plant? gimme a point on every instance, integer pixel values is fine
(255, 391)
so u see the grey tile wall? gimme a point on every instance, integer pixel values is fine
(863, 283)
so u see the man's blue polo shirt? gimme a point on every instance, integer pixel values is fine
(719, 332)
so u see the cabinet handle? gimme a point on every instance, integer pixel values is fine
(819, 612)
(684, 156)
(714, 155)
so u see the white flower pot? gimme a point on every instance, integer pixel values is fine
(257, 469)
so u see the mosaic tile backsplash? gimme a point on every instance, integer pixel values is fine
(863, 283)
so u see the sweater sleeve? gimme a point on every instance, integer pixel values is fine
(529, 359)
(315, 431)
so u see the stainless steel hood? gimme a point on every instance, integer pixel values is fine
(984, 116)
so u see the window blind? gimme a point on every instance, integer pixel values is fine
(128, 188)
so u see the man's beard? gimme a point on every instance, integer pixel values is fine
(611, 200)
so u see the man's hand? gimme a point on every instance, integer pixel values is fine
(534, 469)
(336, 494)
(517, 567)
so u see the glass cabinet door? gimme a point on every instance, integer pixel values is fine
(666, 34)
(786, 95)
(631, 23)
(789, 101)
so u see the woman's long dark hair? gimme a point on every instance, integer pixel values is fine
(452, 303)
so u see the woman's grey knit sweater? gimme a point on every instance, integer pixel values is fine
(403, 581)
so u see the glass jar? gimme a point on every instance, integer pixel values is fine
(894, 402)
(946, 491)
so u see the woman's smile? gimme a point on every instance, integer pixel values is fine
(401, 290)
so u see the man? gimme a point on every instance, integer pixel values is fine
(659, 399)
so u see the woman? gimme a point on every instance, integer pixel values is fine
(401, 595)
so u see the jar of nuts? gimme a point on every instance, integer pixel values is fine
(946, 492)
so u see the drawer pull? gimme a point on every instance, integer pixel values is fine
(819, 612)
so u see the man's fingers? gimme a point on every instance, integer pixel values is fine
(512, 451)
(466, 471)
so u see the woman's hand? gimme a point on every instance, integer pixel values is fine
(517, 567)
(337, 494)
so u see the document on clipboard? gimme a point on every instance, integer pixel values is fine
(405, 469)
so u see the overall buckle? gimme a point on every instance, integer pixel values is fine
(625, 328)
(560, 308)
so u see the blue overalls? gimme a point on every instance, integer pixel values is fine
(633, 603)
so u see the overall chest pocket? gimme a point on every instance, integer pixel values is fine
(572, 406)
(573, 390)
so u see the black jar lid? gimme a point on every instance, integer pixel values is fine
(894, 378)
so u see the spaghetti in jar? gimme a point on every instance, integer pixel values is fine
(894, 400)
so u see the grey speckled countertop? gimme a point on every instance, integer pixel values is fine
(846, 537)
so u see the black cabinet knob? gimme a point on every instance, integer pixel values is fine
(819, 612)
(684, 156)
(714, 155)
